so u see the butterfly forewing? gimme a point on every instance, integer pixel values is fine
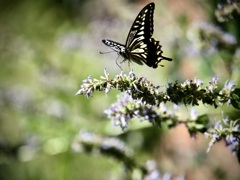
(142, 27)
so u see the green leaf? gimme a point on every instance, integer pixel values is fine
(238, 155)
(235, 101)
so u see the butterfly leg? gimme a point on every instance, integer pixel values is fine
(129, 65)
(118, 64)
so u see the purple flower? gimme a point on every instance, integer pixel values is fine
(225, 129)
(215, 137)
(211, 87)
(215, 80)
(89, 91)
(225, 120)
(175, 107)
(107, 90)
(229, 102)
(229, 86)
(131, 74)
(231, 139)
(198, 82)
(217, 124)
(193, 114)
(106, 72)
(123, 122)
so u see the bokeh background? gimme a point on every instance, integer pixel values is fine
(48, 47)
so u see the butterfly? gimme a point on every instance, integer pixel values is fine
(140, 47)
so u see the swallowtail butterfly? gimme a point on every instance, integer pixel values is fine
(140, 47)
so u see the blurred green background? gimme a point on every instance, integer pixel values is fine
(48, 47)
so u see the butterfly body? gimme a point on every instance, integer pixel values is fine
(140, 47)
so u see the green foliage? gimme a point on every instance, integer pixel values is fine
(236, 98)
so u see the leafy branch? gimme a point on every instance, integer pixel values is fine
(143, 100)
(190, 92)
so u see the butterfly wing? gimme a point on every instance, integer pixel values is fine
(140, 47)
(155, 54)
(142, 27)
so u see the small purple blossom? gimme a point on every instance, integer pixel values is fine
(229, 86)
(211, 88)
(215, 80)
(106, 72)
(225, 129)
(225, 119)
(131, 74)
(219, 6)
(121, 73)
(230, 139)
(193, 114)
(89, 91)
(236, 128)
(229, 38)
(198, 82)
(213, 84)
(215, 137)
(126, 108)
(226, 92)
(229, 102)
(217, 124)
(175, 107)
(88, 80)
(107, 90)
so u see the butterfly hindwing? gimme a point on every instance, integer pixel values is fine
(155, 54)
